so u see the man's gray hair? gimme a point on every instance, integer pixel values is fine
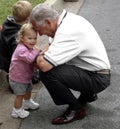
(41, 12)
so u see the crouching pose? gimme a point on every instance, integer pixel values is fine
(75, 59)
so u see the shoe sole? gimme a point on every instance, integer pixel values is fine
(69, 121)
(31, 108)
(16, 116)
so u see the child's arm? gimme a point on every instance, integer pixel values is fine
(40, 53)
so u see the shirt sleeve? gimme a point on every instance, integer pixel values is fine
(62, 49)
(28, 56)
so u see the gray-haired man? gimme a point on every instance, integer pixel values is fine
(75, 59)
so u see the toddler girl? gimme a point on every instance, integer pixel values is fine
(21, 71)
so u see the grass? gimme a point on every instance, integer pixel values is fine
(6, 7)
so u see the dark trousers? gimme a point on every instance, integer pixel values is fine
(61, 79)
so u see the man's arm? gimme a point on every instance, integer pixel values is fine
(43, 64)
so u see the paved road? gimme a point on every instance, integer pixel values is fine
(105, 112)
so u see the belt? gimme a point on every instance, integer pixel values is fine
(103, 71)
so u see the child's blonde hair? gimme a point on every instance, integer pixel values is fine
(21, 10)
(27, 27)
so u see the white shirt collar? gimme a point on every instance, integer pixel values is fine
(61, 17)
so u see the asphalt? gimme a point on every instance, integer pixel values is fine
(7, 97)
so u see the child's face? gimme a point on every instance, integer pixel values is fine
(30, 39)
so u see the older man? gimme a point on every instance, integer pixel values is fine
(75, 59)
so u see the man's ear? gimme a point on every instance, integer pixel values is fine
(48, 22)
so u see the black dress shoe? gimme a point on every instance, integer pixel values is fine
(70, 116)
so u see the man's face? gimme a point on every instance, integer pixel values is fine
(49, 28)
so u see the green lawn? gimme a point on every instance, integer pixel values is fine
(6, 6)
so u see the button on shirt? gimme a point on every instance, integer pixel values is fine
(76, 42)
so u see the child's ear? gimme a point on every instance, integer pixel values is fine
(27, 20)
(21, 38)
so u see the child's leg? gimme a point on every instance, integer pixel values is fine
(18, 101)
(27, 96)
(19, 90)
(18, 110)
(28, 103)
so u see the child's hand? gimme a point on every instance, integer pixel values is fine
(36, 47)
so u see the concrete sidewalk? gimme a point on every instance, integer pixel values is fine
(6, 97)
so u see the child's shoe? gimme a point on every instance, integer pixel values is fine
(30, 104)
(19, 113)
